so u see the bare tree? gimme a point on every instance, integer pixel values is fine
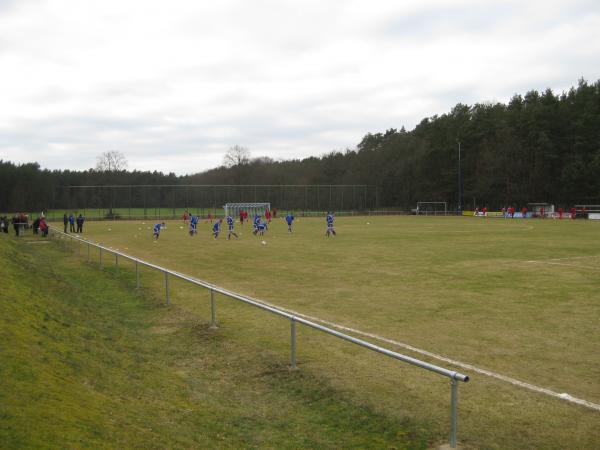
(112, 161)
(236, 156)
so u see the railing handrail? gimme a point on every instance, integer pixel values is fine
(453, 375)
(414, 361)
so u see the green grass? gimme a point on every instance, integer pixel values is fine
(457, 286)
(88, 363)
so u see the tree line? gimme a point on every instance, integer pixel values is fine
(540, 147)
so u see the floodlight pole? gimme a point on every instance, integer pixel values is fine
(459, 181)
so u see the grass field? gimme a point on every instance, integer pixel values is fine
(519, 297)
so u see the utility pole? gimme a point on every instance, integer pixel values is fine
(459, 181)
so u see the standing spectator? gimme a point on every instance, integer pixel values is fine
(15, 222)
(573, 213)
(43, 226)
(241, 217)
(80, 220)
(542, 211)
(65, 221)
(36, 225)
(560, 213)
(72, 223)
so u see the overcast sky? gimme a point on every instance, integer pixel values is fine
(174, 84)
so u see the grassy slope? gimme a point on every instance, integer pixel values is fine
(85, 362)
(461, 287)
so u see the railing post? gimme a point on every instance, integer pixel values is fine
(137, 275)
(100, 258)
(88, 246)
(117, 263)
(213, 310)
(454, 412)
(167, 287)
(293, 342)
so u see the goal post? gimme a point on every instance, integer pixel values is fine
(233, 209)
(541, 209)
(432, 208)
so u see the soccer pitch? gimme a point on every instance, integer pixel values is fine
(519, 298)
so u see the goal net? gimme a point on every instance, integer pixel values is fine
(541, 209)
(233, 209)
(588, 211)
(432, 208)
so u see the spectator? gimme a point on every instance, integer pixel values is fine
(80, 220)
(36, 225)
(43, 226)
(72, 223)
(16, 224)
(65, 221)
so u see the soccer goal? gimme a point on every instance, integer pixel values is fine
(541, 209)
(588, 211)
(432, 208)
(233, 209)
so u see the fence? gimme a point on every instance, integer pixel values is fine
(455, 377)
(171, 200)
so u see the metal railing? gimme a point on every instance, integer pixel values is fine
(455, 377)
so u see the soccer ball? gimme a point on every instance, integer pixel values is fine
(264, 242)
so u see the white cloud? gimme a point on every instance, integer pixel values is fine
(173, 85)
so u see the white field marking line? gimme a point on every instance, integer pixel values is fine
(489, 373)
(563, 264)
(566, 257)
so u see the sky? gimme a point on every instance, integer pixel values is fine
(173, 85)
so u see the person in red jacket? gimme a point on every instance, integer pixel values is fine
(524, 212)
(560, 213)
(573, 213)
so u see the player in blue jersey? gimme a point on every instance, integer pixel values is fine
(255, 224)
(289, 219)
(217, 228)
(157, 229)
(193, 225)
(330, 229)
(230, 223)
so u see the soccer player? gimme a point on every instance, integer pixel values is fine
(289, 219)
(256, 223)
(157, 229)
(330, 229)
(230, 223)
(193, 225)
(217, 228)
